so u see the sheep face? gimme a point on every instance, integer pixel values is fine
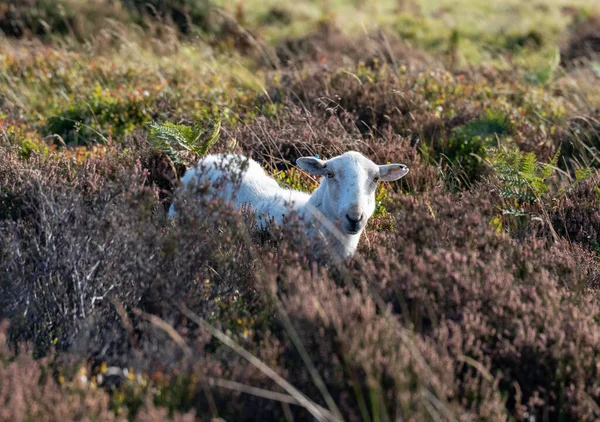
(348, 187)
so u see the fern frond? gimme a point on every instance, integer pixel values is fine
(583, 173)
(172, 139)
(212, 140)
(522, 178)
(550, 166)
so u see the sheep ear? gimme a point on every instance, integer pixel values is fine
(312, 165)
(390, 172)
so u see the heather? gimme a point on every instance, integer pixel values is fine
(474, 292)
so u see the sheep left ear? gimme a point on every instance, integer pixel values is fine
(312, 165)
(390, 172)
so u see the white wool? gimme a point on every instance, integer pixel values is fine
(338, 209)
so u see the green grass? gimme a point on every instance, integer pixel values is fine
(488, 32)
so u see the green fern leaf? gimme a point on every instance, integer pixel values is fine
(529, 165)
(522, 178)
(549, 168)
(174, 140)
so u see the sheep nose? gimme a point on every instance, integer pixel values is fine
(354, 218)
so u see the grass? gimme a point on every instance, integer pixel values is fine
(474, 292)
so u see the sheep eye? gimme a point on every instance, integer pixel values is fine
(376, 179)
(330, 175)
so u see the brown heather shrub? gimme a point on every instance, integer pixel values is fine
(47, 19)
(510, 307)
(442, 315)
(328, 47)
(387, 102)
(408, 102)
(576, 214)
(509, 320)
(85, 238)
(584, 41)
(356, 343)
(451, 116)
(580, 140)
(150, 413)
(299, 133)
(28, 391)
(23, 398)
(184, 14)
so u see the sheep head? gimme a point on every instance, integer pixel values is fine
(348, 187)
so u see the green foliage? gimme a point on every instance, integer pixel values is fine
(295, 179)
(174, 139)
(172, 393)
(544, 72)
(484, 129)
(583, 173)
(468, 143)
(423, 32)
(522, 178)
(531, 39)
(27, 141)
(102, 114)
(382, 199)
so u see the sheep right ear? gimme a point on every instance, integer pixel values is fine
(390, 172)
(312, 165)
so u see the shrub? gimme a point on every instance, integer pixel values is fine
(46, 19)
(444, 303)
(297, 134)
(453, 118)
(38, 17)
(583, 42)
(580, 141)
(185, 14)
(467, 144)
(522, 178)
(329, 46)
(493, 319)
(575, 214)
(171, 139)
(100, 115)
(28, 391)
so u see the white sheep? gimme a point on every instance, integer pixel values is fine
(338, 209)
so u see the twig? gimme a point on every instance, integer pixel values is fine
(163, 325)
(317, 411)
(255, 391)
